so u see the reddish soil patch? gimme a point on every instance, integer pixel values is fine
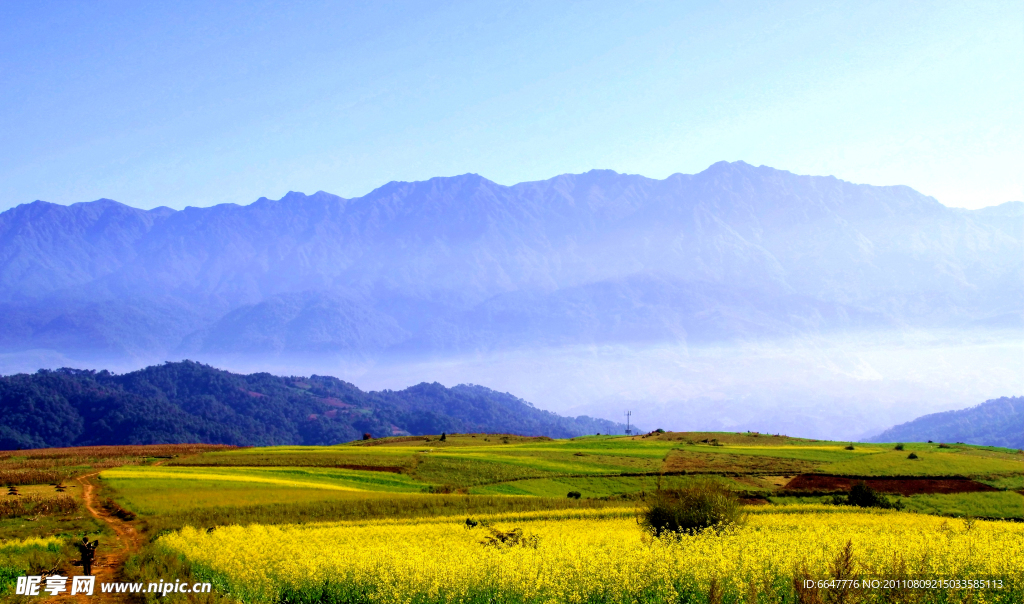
(904, 485)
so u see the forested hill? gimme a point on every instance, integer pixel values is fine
(997, 422)
(190, 402)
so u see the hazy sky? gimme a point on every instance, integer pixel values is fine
(179, 103)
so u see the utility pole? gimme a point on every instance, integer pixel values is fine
(628, 431)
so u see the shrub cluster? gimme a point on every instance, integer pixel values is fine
(702, 503)
(861, 495)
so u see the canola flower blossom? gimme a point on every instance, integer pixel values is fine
(30, 542)
(592, 555)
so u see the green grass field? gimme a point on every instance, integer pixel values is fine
(928, 463)
(1006, 504)
(598, 467)
(1009, 482)
(1002, 504)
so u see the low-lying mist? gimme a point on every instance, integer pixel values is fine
(842, 387)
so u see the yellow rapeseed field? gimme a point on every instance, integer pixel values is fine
(597, 555)
(38, 542)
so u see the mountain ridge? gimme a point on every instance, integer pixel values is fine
(192, 402)
(381, 199)
(454, 269)
(995, 423)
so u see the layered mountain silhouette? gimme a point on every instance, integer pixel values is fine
(461, 267)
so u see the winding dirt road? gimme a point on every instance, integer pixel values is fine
(111, 553)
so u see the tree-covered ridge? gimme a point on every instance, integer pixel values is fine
(192, 402)
(997, 422)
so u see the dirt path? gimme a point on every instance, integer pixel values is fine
(111, 553)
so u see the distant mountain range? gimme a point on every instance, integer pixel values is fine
(997, 423)
(553, 282)
(192, 403)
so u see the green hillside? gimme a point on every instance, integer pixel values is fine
(189, 402)
(997, 422)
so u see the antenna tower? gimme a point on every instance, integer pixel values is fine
(628, 431)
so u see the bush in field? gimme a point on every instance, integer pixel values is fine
(861, 495)
(912, 456)
(574, 495)
(899, 446)
(701, 504)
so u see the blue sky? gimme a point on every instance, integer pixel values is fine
(201, 103)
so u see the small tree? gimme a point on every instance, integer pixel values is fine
(861, 495)
(899, 446)
(367, 436)
(444, 437)
(702, 503)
